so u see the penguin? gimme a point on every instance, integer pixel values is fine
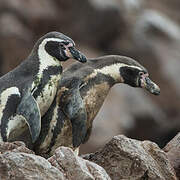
(80, 95)
(27, 91)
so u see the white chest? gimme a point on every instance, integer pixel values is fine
(47, 94)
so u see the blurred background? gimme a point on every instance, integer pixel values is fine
(147, 31)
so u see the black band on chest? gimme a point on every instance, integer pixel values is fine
(47, 73)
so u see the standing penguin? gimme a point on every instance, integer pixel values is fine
(81, 93)
(27, 91)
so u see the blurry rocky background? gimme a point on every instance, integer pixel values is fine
(145, 30)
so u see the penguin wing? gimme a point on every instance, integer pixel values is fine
(29, 109)
(74, 109)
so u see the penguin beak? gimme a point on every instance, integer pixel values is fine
(150, 85)
(75, 54)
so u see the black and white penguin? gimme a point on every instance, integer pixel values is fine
(27, 91)
(81, 93)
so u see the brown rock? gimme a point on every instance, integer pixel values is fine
(23, 166)
(172, 150)
(125, 158)
(17, 146)
(19, 163)
(74, 167)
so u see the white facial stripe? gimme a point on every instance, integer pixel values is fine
(112, 70)
(45, 59)
(4, 98)
(52, 39)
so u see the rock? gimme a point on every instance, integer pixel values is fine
(125, 158)
(17, 162)
(172, 150)
(17, 146)
(74, 167)
(15, 165)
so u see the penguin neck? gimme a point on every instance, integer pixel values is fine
(48, 70)
(109, 73)
(45, 60)
(100, 80)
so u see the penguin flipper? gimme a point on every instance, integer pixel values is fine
(79, 128)
(29, 109)
(75, 110)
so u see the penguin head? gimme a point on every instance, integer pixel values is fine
(135, 75)
(59, 46)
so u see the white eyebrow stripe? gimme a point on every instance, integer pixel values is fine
(52, 39)
(112, 70)
(58, 40)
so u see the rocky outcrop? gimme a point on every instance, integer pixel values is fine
(74, 167)
(121, 158)
(125, 158)
(19, 163)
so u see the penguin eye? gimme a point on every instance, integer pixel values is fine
(141, 73)
(62, 46)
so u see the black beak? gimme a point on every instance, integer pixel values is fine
(151, 86)
(75, 54)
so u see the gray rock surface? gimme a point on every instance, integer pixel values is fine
(125, 158)
(19, 163)
(121, 158)
(172, 150)
(75, 167)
